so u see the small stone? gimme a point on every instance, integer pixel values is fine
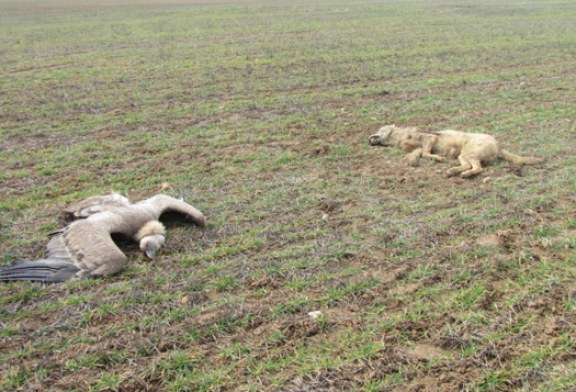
(315, 314)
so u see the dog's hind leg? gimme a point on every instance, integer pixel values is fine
(464, 166)
(476, 169)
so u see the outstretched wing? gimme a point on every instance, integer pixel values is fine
(94, 204)
(83, 249)
(90, 246)
(44, 270)
(162, 204)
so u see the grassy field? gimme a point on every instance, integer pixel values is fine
(258, 113)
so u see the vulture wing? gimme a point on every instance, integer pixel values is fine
(82, 250)
(163, 203)
(94, 204)
(44, 270)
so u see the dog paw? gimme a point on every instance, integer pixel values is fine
(413, 162)
(469, 174)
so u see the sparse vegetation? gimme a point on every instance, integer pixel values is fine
(258, 113)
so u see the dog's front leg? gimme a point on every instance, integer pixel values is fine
(435, 157)
(414, 157)
(427, 150)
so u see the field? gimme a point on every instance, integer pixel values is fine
(258, 113)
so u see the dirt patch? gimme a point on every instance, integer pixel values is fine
(424, 352)
(421, 282)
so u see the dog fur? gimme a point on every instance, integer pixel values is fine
(471, 149)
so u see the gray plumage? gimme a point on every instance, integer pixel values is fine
(85, 248)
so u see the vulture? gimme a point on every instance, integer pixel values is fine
(85, 247)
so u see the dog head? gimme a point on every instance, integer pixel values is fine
(384, 136)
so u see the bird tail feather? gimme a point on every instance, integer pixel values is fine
(43, 270)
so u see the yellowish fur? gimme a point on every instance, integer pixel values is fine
(471, 149)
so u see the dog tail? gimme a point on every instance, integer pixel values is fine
(518, 160)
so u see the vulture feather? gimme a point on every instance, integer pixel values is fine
(85, 249)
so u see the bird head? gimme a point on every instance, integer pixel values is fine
(151, 244)
(151, 237)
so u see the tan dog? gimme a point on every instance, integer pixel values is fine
(471, 149)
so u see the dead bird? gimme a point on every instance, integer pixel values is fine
(85, 248)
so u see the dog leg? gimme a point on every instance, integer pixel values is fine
(464, 165)
(476, 169)
(414, 157)
(428, 145)
(435, 157)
